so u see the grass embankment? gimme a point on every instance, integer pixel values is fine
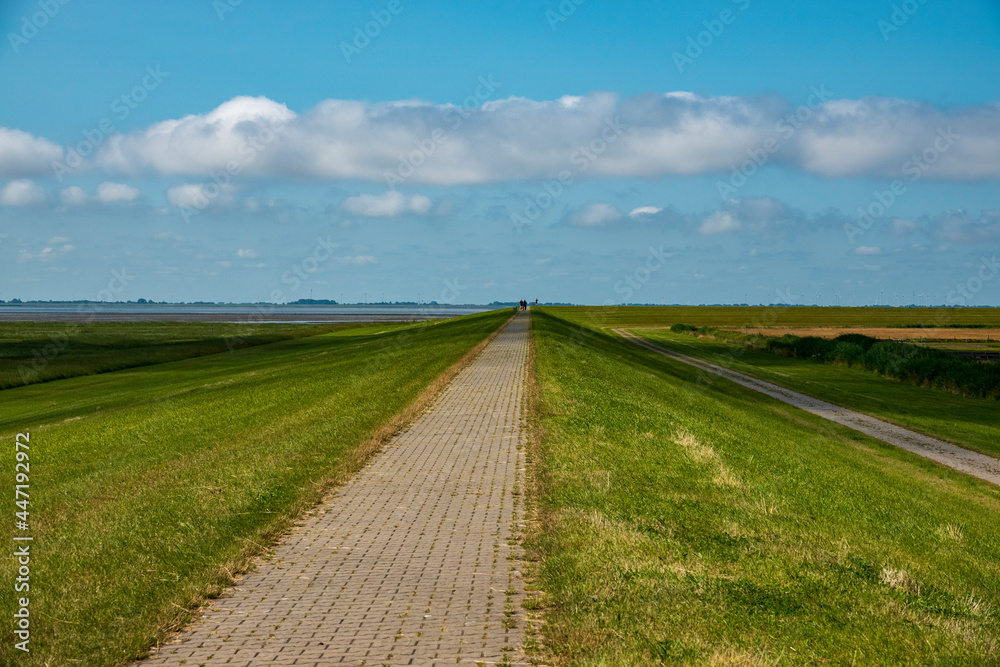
(776, 316)
(690, 524)
(33, 352)
(898, 360)
(151, 487)
(963, 420)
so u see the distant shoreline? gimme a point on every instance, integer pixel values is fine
(249, 313)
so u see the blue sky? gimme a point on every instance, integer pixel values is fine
(703, 152)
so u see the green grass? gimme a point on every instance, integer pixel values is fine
(764, 316)
(33, 352)
(149, 485)
(966, 421)
(689, 524)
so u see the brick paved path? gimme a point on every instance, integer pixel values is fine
(411, 562)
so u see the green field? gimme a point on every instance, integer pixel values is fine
(966, 421)
(151, 487)
(33, 352)
(682, 523)
(777, 316)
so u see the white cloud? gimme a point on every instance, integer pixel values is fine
(650, 135)
(868, 250)
(644, 210)
(74, 196)
(22, 193)
(22, 154)
(109, 192)
(594, 215)
(717, 222)
(357, 260)
(48, 253)
(387, 204)
(198, 195)
(246, 253)
(903, 226)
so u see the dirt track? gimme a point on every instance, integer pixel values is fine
(964, 460)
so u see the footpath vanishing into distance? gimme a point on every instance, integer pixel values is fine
(972, 463)
(413, 561)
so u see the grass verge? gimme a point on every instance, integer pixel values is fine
(966, 421)
(685, 524)
(152, 488)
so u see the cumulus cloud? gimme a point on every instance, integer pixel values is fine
(22, 193)
(108, 193)
(594, 215)
(961, 227)
(200, 196)
(644, 210)
(356, 260)
(868, 250)
(246, 253)
(387, 204)
(23, 154)
(598, 135)
(718, 222)
(58, 248)
(74, 196)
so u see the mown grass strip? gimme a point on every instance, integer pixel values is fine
(152, 488)
(681, 523)
(966, 421)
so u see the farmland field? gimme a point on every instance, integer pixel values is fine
(777, 316)
(683, 523)
(152, 487)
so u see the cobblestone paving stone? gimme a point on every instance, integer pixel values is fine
(412, 562)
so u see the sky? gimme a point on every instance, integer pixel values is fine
(729, 151)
